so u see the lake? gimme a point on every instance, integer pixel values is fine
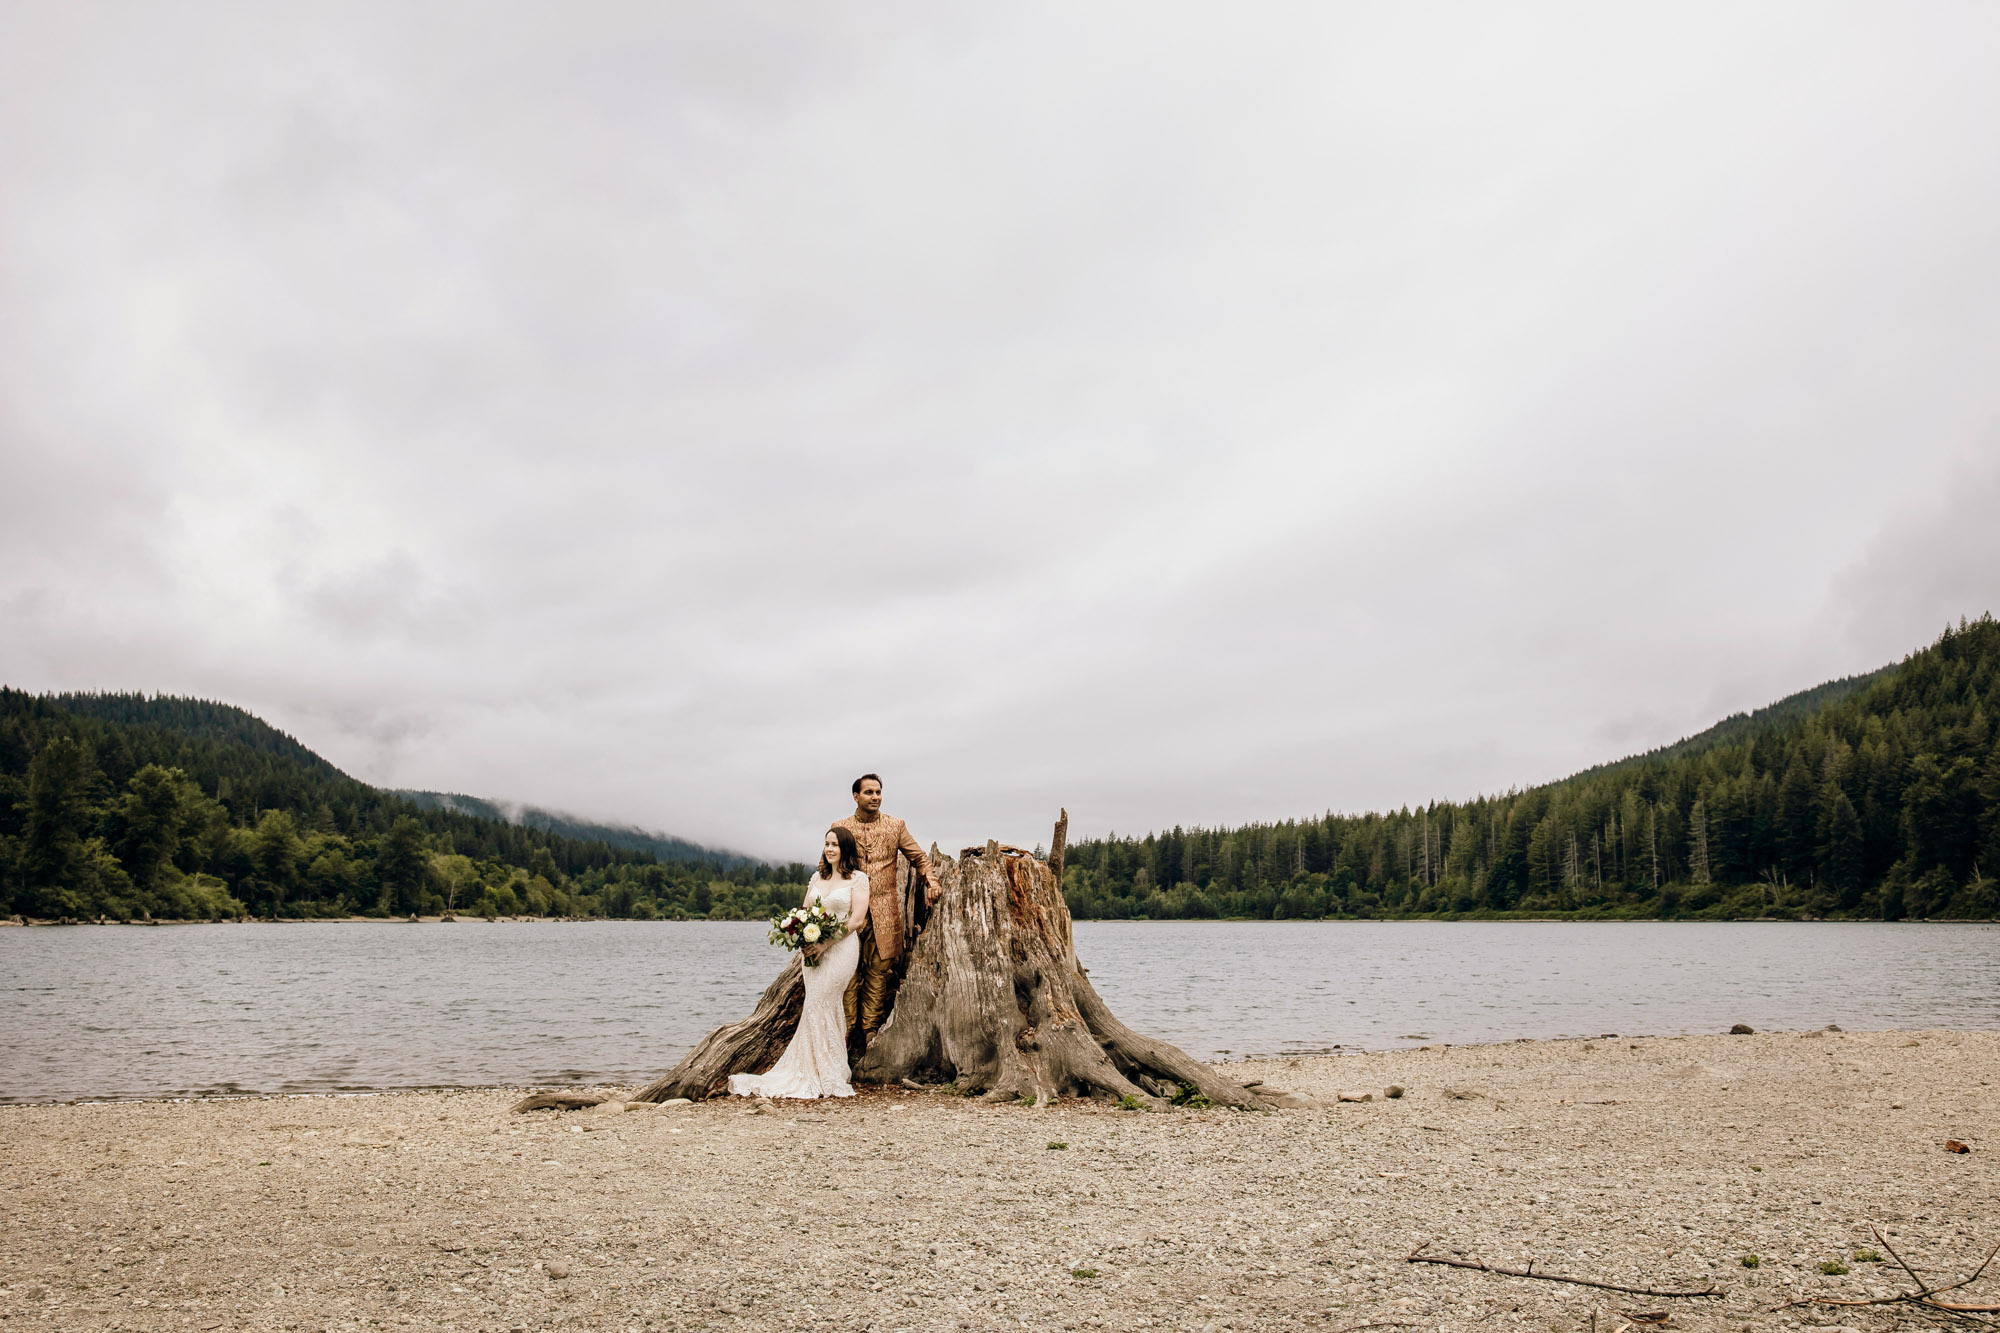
(174, 1011)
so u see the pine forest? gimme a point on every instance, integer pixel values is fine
(1875, 798)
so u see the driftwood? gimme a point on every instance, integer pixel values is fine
(993, 1001)
(1417, 1256)
(1925, 1296)
(556, 1101)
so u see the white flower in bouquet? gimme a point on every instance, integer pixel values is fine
(812, 934)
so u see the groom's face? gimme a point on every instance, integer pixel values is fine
(869, 799)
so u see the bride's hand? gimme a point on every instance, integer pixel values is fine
(813, 951)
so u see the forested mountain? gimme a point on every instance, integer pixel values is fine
(1873, 797)
(124, 806)
(1744, 726)
(662, 845)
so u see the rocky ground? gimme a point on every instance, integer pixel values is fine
(1645, 1162)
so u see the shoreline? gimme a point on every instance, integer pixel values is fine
(1646, 1161)
(1255, 1061)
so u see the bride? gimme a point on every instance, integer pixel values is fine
(815, 1064)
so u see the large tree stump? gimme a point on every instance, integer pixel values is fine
(993, 1001)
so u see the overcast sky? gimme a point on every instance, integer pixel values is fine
(1183, 414)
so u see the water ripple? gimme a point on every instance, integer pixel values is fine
(326, 1007)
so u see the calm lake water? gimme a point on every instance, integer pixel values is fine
(348, 1007)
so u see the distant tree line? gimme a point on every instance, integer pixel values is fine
(1876, 801)
(125, 807)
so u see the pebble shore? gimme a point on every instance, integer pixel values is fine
(1657, 1162)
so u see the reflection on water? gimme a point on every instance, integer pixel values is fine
(332, 1007)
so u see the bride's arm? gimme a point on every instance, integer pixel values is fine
(857, 913)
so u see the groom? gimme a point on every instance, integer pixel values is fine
(880, 837)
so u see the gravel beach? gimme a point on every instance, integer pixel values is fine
(1639, 1161)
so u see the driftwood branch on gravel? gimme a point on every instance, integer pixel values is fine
(1417, 1256)
(1925, 1296)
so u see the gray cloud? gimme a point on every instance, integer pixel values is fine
(1930, 567)
(664, 414)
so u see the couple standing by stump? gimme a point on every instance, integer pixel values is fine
(851, 984)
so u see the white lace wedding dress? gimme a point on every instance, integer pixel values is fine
(815, 1064)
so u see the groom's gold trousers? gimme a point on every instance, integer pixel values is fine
(873, 990)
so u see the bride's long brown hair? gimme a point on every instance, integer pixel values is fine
(850, 854)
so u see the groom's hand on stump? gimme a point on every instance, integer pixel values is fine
(932, 893)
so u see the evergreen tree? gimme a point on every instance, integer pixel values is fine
(1795, 821)
(1698, 867)
(402, 869)
(1837, 855)
(275, 852)
(54, 861)
(150, 821)
(1989, 817)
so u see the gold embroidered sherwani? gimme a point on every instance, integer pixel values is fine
(879, 840)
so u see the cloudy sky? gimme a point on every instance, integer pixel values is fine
(1181, 414)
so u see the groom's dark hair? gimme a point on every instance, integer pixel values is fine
(877, 777)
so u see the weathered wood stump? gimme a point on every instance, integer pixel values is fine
(993, 1001)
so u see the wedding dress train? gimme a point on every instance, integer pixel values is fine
(815, 1063)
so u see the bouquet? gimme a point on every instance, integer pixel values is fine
(811, 924)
